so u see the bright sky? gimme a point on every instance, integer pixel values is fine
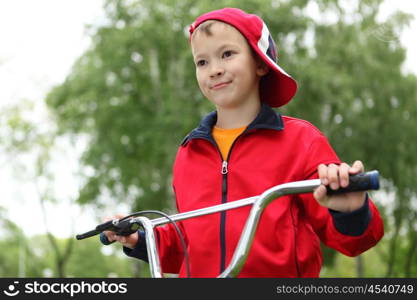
(39, 41)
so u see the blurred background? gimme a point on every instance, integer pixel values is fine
(95, 97)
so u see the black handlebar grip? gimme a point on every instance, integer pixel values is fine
(359, 182)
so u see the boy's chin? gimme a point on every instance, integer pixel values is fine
(225, 103)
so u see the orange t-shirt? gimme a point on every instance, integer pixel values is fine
(225, 138)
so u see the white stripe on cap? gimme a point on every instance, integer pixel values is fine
(263, 44)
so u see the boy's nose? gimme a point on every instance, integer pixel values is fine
(216, 71)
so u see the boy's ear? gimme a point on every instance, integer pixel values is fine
(262, 68)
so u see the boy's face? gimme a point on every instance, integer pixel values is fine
(227, 72)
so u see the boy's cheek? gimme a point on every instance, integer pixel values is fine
(201, 83)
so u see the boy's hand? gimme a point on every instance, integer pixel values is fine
(335, 176)
(127, 241)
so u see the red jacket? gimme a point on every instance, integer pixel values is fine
(271, 151)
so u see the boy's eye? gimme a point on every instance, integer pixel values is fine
(201, 63)
(227, 53)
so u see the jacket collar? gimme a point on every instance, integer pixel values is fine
(267, 118)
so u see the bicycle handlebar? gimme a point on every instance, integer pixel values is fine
(358, 182)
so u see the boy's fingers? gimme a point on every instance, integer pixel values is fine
(115, 217)
(357, 167)
(333, 176)
(320, 195)
(110, 236)
(344, 174)
(322, 172)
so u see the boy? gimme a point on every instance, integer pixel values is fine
(243, 149)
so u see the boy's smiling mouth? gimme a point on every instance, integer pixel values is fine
(220, 85)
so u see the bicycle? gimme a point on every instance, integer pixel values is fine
(128, 225)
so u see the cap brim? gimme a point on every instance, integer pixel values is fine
(277, 87)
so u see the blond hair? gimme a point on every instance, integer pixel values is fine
(205, 27)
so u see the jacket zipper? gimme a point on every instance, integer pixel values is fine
(224, 172)
(224, 167)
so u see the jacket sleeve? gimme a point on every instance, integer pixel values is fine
(349, 233)
(139, 251)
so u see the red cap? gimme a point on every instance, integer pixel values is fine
(277, 87)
